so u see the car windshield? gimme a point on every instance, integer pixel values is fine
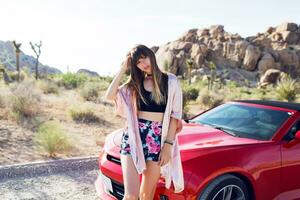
(243, 120)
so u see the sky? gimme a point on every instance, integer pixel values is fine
(97, 34)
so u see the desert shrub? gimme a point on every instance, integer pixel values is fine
(71, 80)
(13, 75)
(231, 84)
(90, 91)
(48, 87)
(287, 89)
(24, 100)
(209, 98)
(51, 139)
(190, 92)
(83, 115)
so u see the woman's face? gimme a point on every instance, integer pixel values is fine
(144, 64)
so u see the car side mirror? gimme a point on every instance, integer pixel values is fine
(297, 135)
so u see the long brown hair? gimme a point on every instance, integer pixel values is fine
(137, 76)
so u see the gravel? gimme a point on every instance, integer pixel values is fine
(61, 179)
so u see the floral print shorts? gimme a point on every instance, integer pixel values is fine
(150, 132)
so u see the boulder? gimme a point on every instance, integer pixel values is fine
(252, 55)
(198, 53)
(265, 63)
(286, 26)
(189, 36)
(216, 30)
(271, 76)
(290, 37)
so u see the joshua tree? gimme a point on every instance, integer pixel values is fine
(37, 50)
(190, 64)
(212, 67)
(17, 48)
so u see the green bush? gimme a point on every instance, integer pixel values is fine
(189, 92)
(24, 100)
(13, 75)
(48, 87)
(209, 99)
(103, 85)
(287, 89)
(52, 139)
(90, 90)
(72, 80)
(107, 79)
(232, 84)
(83, 116)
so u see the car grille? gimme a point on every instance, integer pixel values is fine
(113, 159)
(118, 190)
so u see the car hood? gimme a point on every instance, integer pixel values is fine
(195, 136)
(191, 137)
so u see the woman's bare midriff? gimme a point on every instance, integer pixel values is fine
(152, 116)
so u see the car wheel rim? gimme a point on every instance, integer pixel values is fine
(230, 192)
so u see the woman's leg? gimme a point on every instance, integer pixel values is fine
(131, 178)
(149, 180)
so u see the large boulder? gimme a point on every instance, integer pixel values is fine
(275, 37)
(165, 56)
(198, 53)
(203, 32)
(290, 37)
(180, 45)
(216, 31)
(286, 26)
(265, 63)
(271, 76)
(189, 36)
(252, 55)
(290, 62)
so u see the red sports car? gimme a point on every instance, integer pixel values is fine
(246, 149)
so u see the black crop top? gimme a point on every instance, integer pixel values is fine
(152, 105)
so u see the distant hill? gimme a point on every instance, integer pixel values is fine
(88, 72)
(8, 58)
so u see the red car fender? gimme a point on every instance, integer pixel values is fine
(228, 170)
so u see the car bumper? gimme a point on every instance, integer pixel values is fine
(109, 183)
(103, 188)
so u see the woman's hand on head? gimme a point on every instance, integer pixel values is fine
(126, 64)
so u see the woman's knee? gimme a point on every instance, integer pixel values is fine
(130, 197)
(146, 195)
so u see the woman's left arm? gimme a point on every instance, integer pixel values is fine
(175, 125)
(172, 131)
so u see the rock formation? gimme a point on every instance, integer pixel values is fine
(278, 48)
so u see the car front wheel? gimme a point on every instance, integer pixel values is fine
(225, 187)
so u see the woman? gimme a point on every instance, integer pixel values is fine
(149, 94)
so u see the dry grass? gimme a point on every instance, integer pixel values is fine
(17, 142)
(51, 139)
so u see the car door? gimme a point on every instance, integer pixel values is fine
(291, 164)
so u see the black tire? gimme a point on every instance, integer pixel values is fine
(222, 184)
